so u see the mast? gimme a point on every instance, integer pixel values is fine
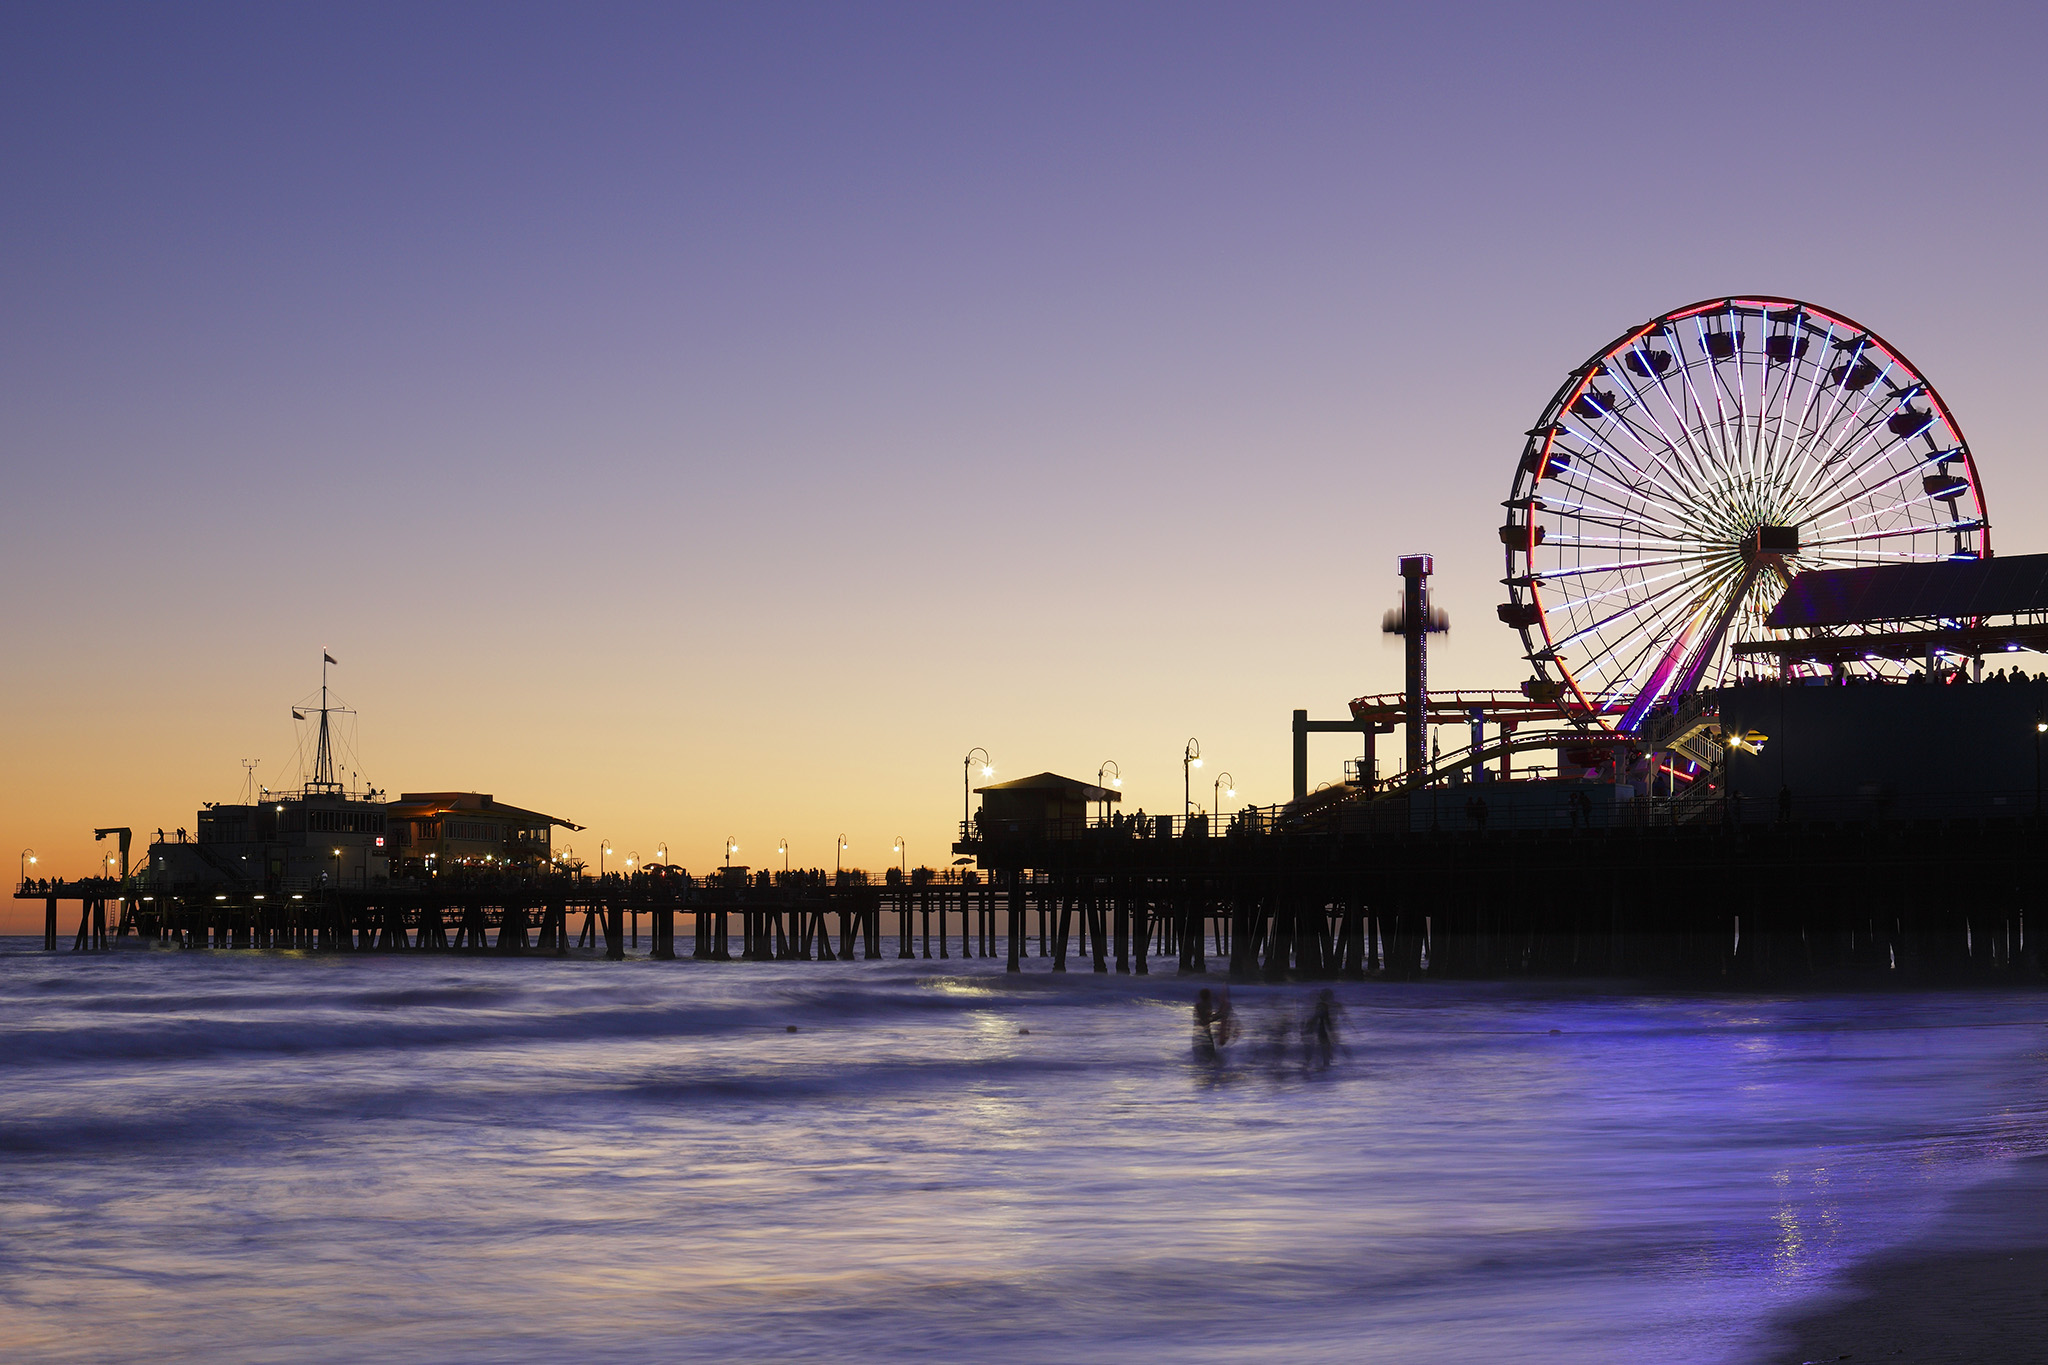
(323, 756)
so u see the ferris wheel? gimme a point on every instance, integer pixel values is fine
(1681, 477)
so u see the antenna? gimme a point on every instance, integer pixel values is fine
(249, 766)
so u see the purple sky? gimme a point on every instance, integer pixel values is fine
(707, 420)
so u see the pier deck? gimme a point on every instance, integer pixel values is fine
(1933, 899)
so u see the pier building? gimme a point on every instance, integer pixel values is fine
(441, 829)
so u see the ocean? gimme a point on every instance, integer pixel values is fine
(245, 1156)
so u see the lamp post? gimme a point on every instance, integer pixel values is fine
(782, 847)
(337, 868)
(633, 861)
(28, 860)
(1222, 781)
(731, 847)
(1190, 758)
(840, 846)
(604, 846)
(966, 787)
(1116, 779)
(661, 853)
(902, 858)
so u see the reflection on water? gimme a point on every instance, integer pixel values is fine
(246, 1157)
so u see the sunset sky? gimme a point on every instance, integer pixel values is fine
(714, 420)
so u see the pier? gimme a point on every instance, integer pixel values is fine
(1733, 901)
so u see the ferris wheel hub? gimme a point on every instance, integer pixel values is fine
(1770, 540)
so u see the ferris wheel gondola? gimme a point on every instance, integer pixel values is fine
(1680, 478)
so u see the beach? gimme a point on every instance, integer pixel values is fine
(244, 1156)
(1972, 1287)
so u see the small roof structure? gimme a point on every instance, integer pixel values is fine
(426, 805)
(1069, 787)
(1950, 590)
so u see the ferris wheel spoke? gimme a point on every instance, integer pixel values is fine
(1609, 453)
(1843, 415)
(1667, 489)
(1663, 595)
(1624, 676)
(1579, 571)
(1618, 542)
(1695, 417)
(1656, 629)
(1861, 418)
(1626, 501)
(1902, 505)
(1853, 467)
(1691, 458)
(1609, 515)
(1935, 530)
(1799, 373)
(1683, 481)
(1862, 487)
(1730, 442)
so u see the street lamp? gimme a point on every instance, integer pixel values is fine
(902, 858)
(337, 867)
(1116, 779)
(632, 860)
(782, 847)
(604, 846)
(1222, 780)
(28, 860)
(1190, 757)
(987, 770)
(731, 847)
(842, 847)
(661, 853)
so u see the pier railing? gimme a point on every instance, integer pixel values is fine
(1558, 805)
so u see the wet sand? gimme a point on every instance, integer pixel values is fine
(1973, 1288)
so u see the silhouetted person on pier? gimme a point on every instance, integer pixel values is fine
(1475, 811)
